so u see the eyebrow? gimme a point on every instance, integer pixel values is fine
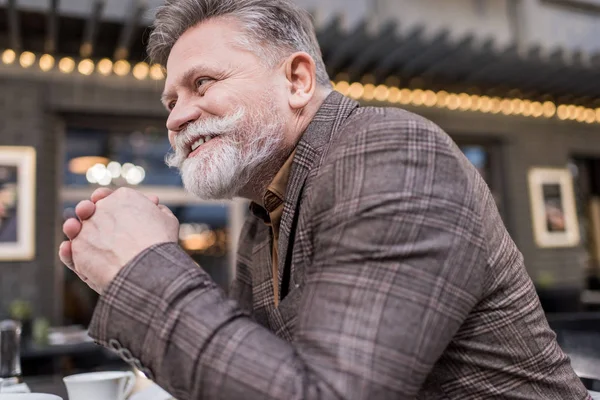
(188, 75)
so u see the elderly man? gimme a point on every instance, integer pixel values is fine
(373, 264)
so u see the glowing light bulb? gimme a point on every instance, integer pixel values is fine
(430, 98)
(122, 67)
(105, 66)
(157, 72)
(405, 96)
(86, 67)
(66, 65)
(27, 59)
(9, 56)
(369, 92)
(141, 70)
(382, 93)
(343, 87)
(356, 90)
(46, 62)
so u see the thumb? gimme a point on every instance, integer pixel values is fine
(166, 210)
(153, 198)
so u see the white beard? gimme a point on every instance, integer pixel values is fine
(244, 142)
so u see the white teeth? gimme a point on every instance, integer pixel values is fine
(200, 142)
(197, 143)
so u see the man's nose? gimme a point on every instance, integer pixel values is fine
(182, 115)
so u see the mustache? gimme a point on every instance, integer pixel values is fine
(215, 126)
(210, 126)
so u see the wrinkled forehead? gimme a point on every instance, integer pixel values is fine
(212, 41)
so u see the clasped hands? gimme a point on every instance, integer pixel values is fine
(113, 228)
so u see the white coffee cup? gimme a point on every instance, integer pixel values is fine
(113, 385)
(28, 396)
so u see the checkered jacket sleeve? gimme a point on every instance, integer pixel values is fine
(397, 262)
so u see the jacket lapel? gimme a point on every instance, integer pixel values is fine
(309, 151)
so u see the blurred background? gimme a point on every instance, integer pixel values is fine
(516, 83)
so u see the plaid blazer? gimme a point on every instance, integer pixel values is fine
(399, 282)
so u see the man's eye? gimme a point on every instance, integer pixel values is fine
(201, 82)
(171, 105)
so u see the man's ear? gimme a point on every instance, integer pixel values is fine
(300, 70)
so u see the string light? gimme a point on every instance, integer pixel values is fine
(141, 70)
(580, 114)
(369, 92)
(66, 65)
(571, 110)
(105, 66)
(27, 59)
(122, 67)
(366, 91)
(441, 99)
(157, 73)
(537, 110)
(8, 56)
(562, 112)
(517, 106)
(405, 96)
(382, 93)
(590, 116)
(343, 87)
(464, 102)
(453, 102)
(429, 99)
(486, 104)
(356, 90)
(86, 67)
(475, 103)
(527, 108)
(46, 62)
(394, 96)
(418, 97)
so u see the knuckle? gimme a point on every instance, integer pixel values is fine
(124, 191)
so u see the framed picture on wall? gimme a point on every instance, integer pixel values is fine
(553, 207)
(17, 203)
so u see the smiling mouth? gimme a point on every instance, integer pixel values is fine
(199, 142)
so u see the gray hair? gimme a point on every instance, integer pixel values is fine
(273, 29)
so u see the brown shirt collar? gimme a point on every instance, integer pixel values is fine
(275, 195)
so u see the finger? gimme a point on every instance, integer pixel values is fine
(93, 287)
(166, 210)
(85, 209)
(153, 198)
(103, 193)
(71, 228)
(100, 194)
(65, 254)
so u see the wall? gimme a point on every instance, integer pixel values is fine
(528, 143)
(25, 122)
(32, 106)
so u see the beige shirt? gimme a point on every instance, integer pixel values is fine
(273, 201)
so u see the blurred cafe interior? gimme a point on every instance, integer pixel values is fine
(515, 83)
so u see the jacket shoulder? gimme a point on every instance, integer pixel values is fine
(392, 124)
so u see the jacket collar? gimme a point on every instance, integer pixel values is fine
(331, 115)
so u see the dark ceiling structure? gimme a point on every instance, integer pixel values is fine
(413, 59)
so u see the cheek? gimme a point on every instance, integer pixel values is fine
(228, 96)
(220, 102)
